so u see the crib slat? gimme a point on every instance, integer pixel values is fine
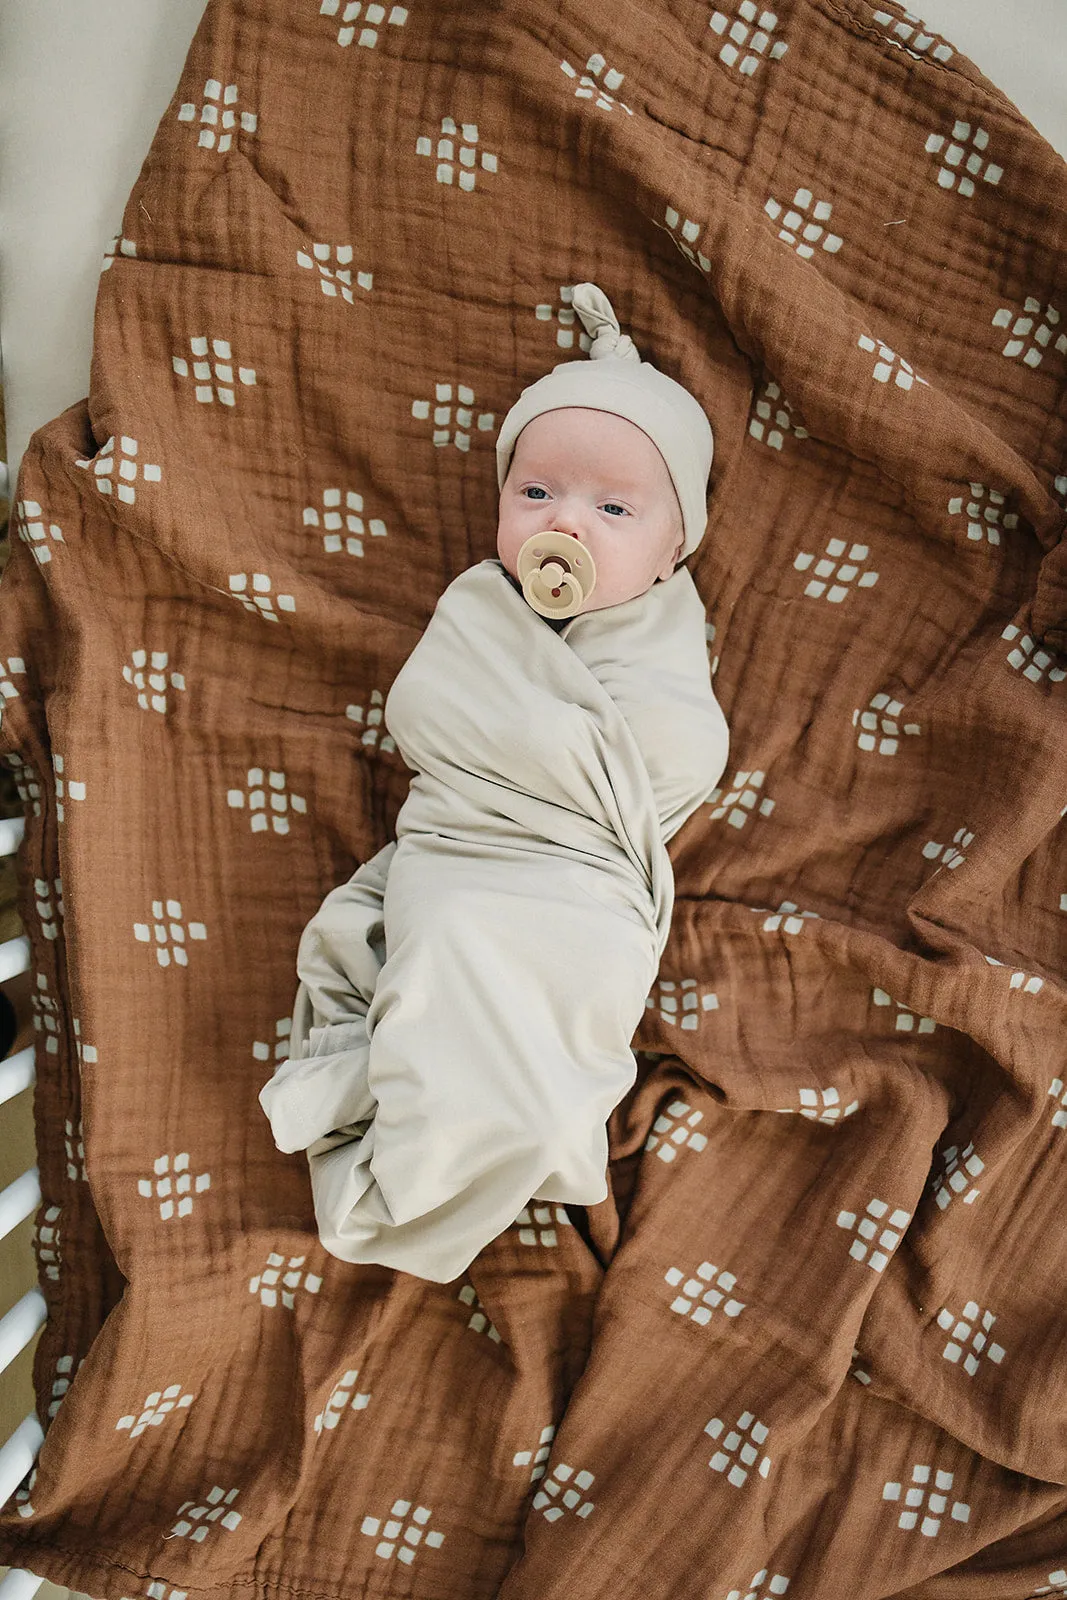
(16, 1202)
(11, 831)
(19, 1584)
(20, 1324)
(14, 957)
(16, 1461)
(16, 1074)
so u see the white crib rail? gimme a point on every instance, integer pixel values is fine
(18, 1201)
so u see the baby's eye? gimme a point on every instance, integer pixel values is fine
(608, 504)
(533, 489)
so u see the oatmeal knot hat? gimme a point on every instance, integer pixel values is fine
(614, 378)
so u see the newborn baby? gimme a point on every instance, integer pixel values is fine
(467, 1000)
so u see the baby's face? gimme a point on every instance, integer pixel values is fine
(599, 477)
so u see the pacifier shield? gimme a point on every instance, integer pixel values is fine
(557, 573)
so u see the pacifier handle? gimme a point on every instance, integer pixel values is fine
(557, 573)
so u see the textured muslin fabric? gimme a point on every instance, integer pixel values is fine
(811, 1343)
(524, 910)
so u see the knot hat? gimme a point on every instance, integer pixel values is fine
(615, 379)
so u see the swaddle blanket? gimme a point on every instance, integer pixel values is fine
(524, 906)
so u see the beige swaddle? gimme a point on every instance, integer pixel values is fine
(467, 1000)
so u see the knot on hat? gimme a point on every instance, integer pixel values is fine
(602, 325)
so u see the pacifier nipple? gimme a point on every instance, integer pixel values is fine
(557, 573)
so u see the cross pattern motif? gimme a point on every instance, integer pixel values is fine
(261, 1050)
(675, 1129)
(373, 16)
(74, 1145)
(373, 731)
(948, 176)
(152, 694)
(973, 1329)
(1031, 349)
(215, 1512)
(47, 1245)
(563, 1490)
(15, 664)
(213, 381)
(259, 600)
(788, 919)
(772, 418)
(1034, 664)
(261, 794)
(169, 932)
(341, 276)
(665, 997)
(871, 1227)
(912, 36)
(822, 1105)
(743, 1442)
(537, 1224)
(66, 788)
(46, 1015)
(86, 1052)
(905, 1019)
(468, 153)
(566, 315)
(708, 1291)
(950, 856)
(341, 1399)
(538, 1457)
(761, 1587)
(215, 98)
(442, 416)
(350, 520)
(1058, 1578)
(119, 246)
(1031, 984)
(588, 86)
(745, 44)
(478, 1322)
(882, 718)
(1057, 1091)
(162, 1189)
(917, 1498)
(156, 1409)
(889, 364)
(288, 1274)
(984, 520)
(831, 566)
(803, 235)
(955, 1179)
(685, 233)
(395, 1530)
(104, 468)
(34, 532)
(50, 911)
(738, 803)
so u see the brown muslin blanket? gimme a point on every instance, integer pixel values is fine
(814, 1341)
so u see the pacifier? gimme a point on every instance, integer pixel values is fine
(557, 573)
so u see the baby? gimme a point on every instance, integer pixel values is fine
(467, 1000)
